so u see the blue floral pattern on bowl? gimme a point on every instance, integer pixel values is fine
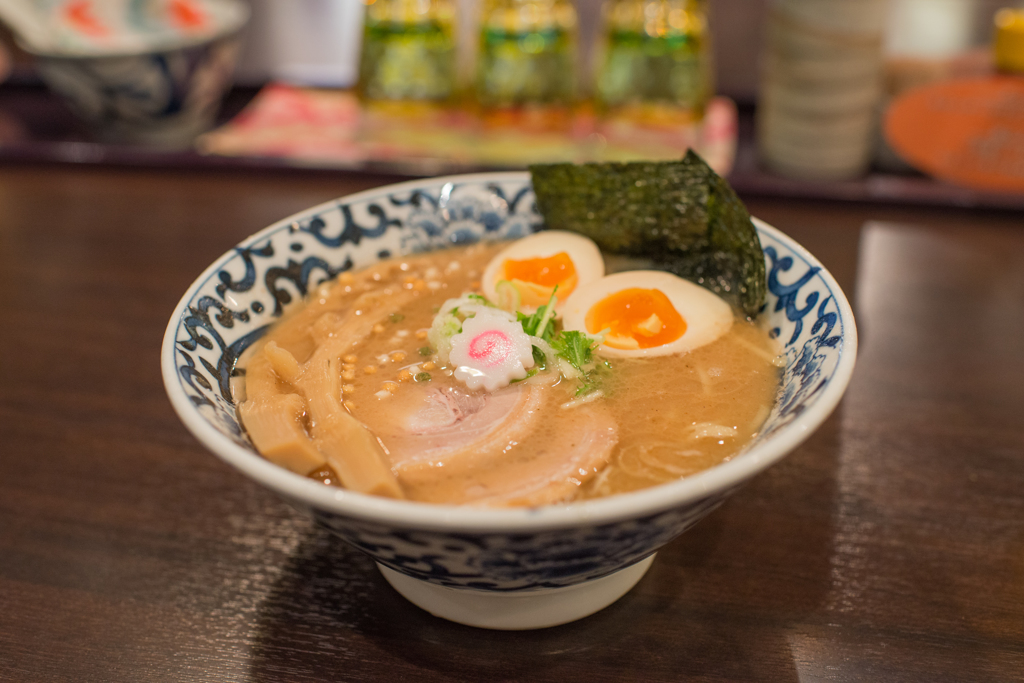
(249, 288)
(161, 98)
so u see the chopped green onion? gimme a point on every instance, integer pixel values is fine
(426, 351)
(509, 297)
(423, 377)
(396, 317)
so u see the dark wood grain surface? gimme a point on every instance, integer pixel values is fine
(889, 547)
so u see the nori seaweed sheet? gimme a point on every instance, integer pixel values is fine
(681, 214)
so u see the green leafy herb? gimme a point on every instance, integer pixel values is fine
(426, 351)
(680, 214)
(422, 377)
(480, 299)
(529, 373)
(540, 359)
(542, 322)
(592, 380)
(577, 348)
(396, 317)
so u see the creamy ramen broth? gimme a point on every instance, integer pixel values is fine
(351, 377)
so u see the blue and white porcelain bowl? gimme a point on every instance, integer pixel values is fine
(144, 82)
(517, 568)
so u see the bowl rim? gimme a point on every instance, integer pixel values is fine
(230, 29)
(452, 518)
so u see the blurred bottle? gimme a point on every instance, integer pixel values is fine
(1008, 44)
(656, 66)
(408, 52)
(526, 64)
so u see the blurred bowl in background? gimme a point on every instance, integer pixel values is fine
(153, 76)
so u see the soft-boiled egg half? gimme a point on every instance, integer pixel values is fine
(524, 274)
(647, 313)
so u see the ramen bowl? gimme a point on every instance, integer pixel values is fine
(495, 568)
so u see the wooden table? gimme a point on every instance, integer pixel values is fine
(889, 547)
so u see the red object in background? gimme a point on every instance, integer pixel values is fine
(186, 14)
(80, 15)
(969, 131)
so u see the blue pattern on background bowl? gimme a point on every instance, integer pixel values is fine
(246, 290)
(154, 86)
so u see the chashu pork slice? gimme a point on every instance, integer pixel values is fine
(512, 447)
(432, 425)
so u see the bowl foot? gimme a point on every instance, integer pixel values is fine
(512, 611)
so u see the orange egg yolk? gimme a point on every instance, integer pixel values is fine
(537, 277)
(636, 319)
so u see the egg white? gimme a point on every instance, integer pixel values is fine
(584, 254)
(707, 316)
